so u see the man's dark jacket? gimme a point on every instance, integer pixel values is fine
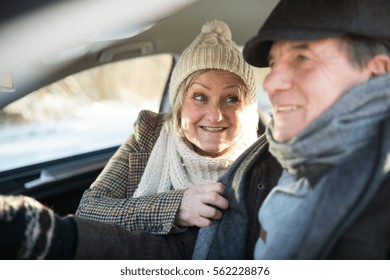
(247, 184)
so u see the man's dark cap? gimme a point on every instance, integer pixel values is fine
(308, 20)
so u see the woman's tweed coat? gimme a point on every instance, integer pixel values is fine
(110, 197)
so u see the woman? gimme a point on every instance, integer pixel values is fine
(163, 178)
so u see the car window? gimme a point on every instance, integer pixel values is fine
(264, 105)
(263, 100)
(84, 112)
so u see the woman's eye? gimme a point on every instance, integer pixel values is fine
(200, 97)
(233, 99)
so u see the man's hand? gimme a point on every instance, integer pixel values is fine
(201, 204)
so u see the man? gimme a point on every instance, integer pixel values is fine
(330, 91)
(325, 190)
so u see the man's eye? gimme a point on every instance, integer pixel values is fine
(301, 58)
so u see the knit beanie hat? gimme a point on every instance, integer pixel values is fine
(213, 48)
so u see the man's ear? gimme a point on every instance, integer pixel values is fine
(379, 65)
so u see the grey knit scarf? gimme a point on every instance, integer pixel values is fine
(351, 123)
(363, 113)
(333, 168)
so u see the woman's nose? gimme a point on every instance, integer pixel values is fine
(215, 113)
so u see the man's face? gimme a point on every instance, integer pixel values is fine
(306, 78)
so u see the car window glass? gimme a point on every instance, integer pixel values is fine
(84, 112)
(263, 100)
(264, 105)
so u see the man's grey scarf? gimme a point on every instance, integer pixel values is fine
(370, 107)
(335, 166)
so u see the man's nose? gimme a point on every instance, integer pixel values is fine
(278, 79)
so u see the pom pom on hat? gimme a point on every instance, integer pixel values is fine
(213, 48)
(218, 27)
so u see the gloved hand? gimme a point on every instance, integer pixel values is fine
(30, 230)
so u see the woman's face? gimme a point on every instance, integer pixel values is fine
(213, 110)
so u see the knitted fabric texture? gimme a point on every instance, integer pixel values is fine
(173, 164)
(36, 225)
(213, 48)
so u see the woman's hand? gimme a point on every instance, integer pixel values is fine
(201, 204)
